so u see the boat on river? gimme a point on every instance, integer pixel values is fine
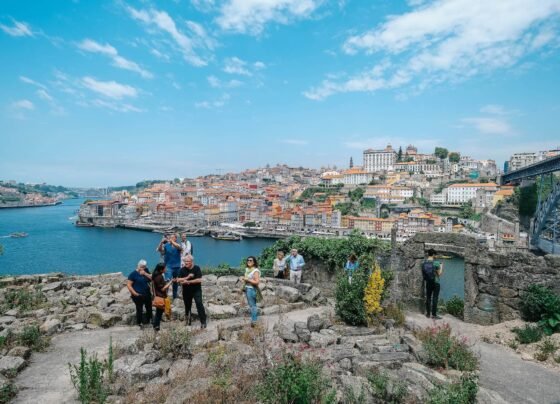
(20, 234)
(226, 236)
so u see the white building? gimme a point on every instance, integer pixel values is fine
(458, 194)
(356, 176)
(380, 160)
(419, 167)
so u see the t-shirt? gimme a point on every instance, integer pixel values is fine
(140, 283)
(159, 283)
(171, 256)
(186, 248)
(250, 274)
(196, 272)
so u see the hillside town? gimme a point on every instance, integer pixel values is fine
(400, 191)
(17, 195)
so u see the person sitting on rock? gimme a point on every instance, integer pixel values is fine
(139, 287)
(160, 290)
(252, 279)
(190, 277)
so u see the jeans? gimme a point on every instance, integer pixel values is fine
(432, 297)
(140, 302)
(157, 318)
(175, 274)
(251, 294)
(188, 295)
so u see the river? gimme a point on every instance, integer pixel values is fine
(55, 244)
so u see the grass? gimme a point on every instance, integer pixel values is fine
(175, 341)
(387, 390)
(7, 392)
(462, 392)
(528, 334)
(24, 300)
(31, 337)
(545, 349)
(88, 378)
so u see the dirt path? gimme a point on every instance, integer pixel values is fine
(502, 371)
(46, 379)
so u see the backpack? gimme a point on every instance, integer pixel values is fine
(429, 271)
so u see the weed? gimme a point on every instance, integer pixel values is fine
(175, 341)
(88, 379)
(545, 349)
(252, 335)
(389, 391)
(513, 344)
(395, 312)
(462, 392)
(7, 392)
(455, 306)
(23, 299)
(444, 350)
(31, 337)
(293, 381)
(349, 397)
(528, 334)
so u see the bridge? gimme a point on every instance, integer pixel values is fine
(545, 226)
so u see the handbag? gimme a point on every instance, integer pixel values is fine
(159, 302)
(259, 294)
(168, 307)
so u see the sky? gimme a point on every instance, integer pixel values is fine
(112, 92)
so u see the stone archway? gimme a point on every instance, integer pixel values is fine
(493, 281)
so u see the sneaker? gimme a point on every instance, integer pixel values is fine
(156, 329)
(189, 320)
(436, 317)
(427, 315)
(203, 326)
(141, 326)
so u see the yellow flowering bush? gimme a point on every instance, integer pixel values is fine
(374, 291)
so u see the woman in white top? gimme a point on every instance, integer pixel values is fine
(251, 279)
(279, 265)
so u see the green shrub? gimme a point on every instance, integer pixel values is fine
(455, 306)
(389, 391)
(293, 381)
(545, 349)
(539, 301)
(89, 380)
(444, 350)
(332, 252)
(462, 392)
(23, 299)
(31, 337)
(349, 298)
(7, 392)
(528, 334)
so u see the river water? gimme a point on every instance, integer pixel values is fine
(55, 244)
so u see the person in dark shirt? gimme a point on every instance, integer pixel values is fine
(171, 251)
(160, 290)
(139, 287)
(190, 277)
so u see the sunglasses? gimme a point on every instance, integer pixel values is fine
(250, 260)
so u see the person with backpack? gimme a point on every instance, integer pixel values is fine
(431, 272)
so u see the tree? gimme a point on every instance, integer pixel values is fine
(441, 152)
(454, 157)
(399, 155)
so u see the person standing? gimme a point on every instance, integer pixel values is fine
(138, 285)
(190, 277)
(279, 265)
(171, 251)
(296, 265)
(351, 265)
(252, 279)
(432, 270)
(186, 246)
(160, 290)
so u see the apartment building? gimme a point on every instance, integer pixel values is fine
(380, 160)
(388, 193)
(372, 226)
(420, 167)
(458, 194)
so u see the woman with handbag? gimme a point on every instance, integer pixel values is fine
(160, 292)
(252, 292)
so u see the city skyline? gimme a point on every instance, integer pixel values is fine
(117, 92)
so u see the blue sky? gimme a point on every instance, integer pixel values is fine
(113, 92)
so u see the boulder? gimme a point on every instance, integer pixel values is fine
(53, 286)
(11, 365)
(51, 326)
(312, 295)
(179, 367)
(288, 293)
(286, 331)
(104, 320)
(147, 372)
(302, 331)
(323, 339)
(21, 351)
(181, 393)
(7, 320)
(315, 323)
(78, 284)
(229, 281)
(220, 311)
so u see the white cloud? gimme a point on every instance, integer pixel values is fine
(259, 65)
(220, 102)
(122, 107)
(89, 45)
(27, 80)
(18, 29)
(160, 55)
(235, 65)
(23, 104)
(251, 16)
(187, 45)
(215, 82)
(490, 126)
(43, 94)
(447, 41)
(110, 89)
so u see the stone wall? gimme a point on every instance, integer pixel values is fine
(493, 281)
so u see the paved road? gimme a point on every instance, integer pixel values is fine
(46, 379)
(502, 371)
